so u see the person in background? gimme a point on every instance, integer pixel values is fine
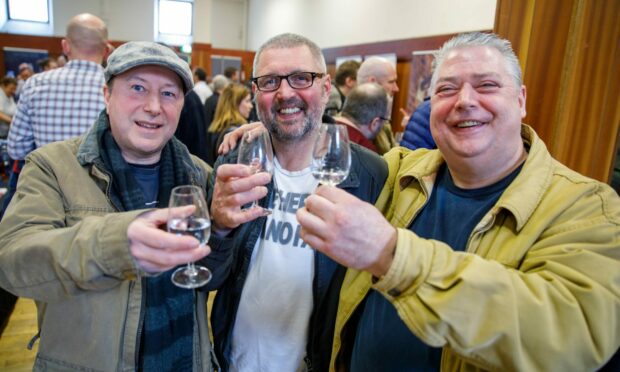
(277, 308)
(8, 107)
(232, 74)
(345, 80)
(84, 240)
(233, 110)
(60, 103)
(25, 71)
(418, 131)
(61, 61)
(379, 70)
(64, 102)
(200, 84)
(220, 82)
(364, 113)
(191, 130)
(47, 64)
(491, 255)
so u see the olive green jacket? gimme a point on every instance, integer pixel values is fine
(538, 288)
(65, 245)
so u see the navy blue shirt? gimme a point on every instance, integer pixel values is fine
(383, 342)
(148, 179)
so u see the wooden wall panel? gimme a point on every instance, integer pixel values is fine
(544, 61)
(570, 53)
(201, 56)
(590, 107)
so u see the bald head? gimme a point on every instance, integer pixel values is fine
(378, 70)
(87, 36)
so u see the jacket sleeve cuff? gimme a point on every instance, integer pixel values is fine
(113, 249)
(409, 266)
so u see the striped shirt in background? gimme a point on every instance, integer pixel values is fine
(56, 105)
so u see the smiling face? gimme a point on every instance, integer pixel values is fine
(476, 110)
(144, 105)
(290, 114)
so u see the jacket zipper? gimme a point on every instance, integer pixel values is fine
(140, 321)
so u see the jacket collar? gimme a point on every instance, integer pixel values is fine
(88, 151)
(520, 198)
(525, 193)
(353, 179)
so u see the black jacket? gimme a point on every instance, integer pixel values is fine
(366, 178)
(191, 129)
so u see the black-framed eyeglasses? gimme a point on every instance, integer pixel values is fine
(384, 119)
(296, 80)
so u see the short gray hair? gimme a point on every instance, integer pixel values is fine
(473, 39)
(289, 40)
(220, 82)
(365, 102)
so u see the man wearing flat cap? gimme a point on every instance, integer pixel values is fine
(83, 235)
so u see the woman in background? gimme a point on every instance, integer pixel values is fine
(8, 107)
(233, 110)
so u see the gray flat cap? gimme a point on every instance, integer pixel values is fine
(141, 53)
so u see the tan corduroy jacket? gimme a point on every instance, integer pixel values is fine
(65, 245)
(538, 288)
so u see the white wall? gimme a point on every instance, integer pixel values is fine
(332, 23)
(245, 24)
(202, 21)
(64, 10)
(126, 19)
(129, 19)
(135, 19)
(228, 24)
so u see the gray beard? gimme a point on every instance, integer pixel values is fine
(311, 121)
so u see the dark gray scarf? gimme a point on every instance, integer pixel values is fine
(168, 322)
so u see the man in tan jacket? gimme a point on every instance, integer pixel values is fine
(81, 236)
(491, 254)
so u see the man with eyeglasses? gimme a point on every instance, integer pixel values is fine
(277, 309)
(364, 113)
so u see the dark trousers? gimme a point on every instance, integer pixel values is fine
(8, 300)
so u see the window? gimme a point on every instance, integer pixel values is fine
(27, 17)
(174, 21)
(28, 10)
(219, 64)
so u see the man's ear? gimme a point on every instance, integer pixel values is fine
(106, 96)
(350, 82)
(375, 124)
(66, 47)
(328, 84)
(521, 99)
(327, 88)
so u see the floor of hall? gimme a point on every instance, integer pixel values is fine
(22, 326)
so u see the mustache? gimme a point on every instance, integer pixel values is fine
(291, 102)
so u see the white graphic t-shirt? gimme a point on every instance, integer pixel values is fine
(271, 326)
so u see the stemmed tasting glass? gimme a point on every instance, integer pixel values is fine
(331, 155)
(196, 224)
(255, 150)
